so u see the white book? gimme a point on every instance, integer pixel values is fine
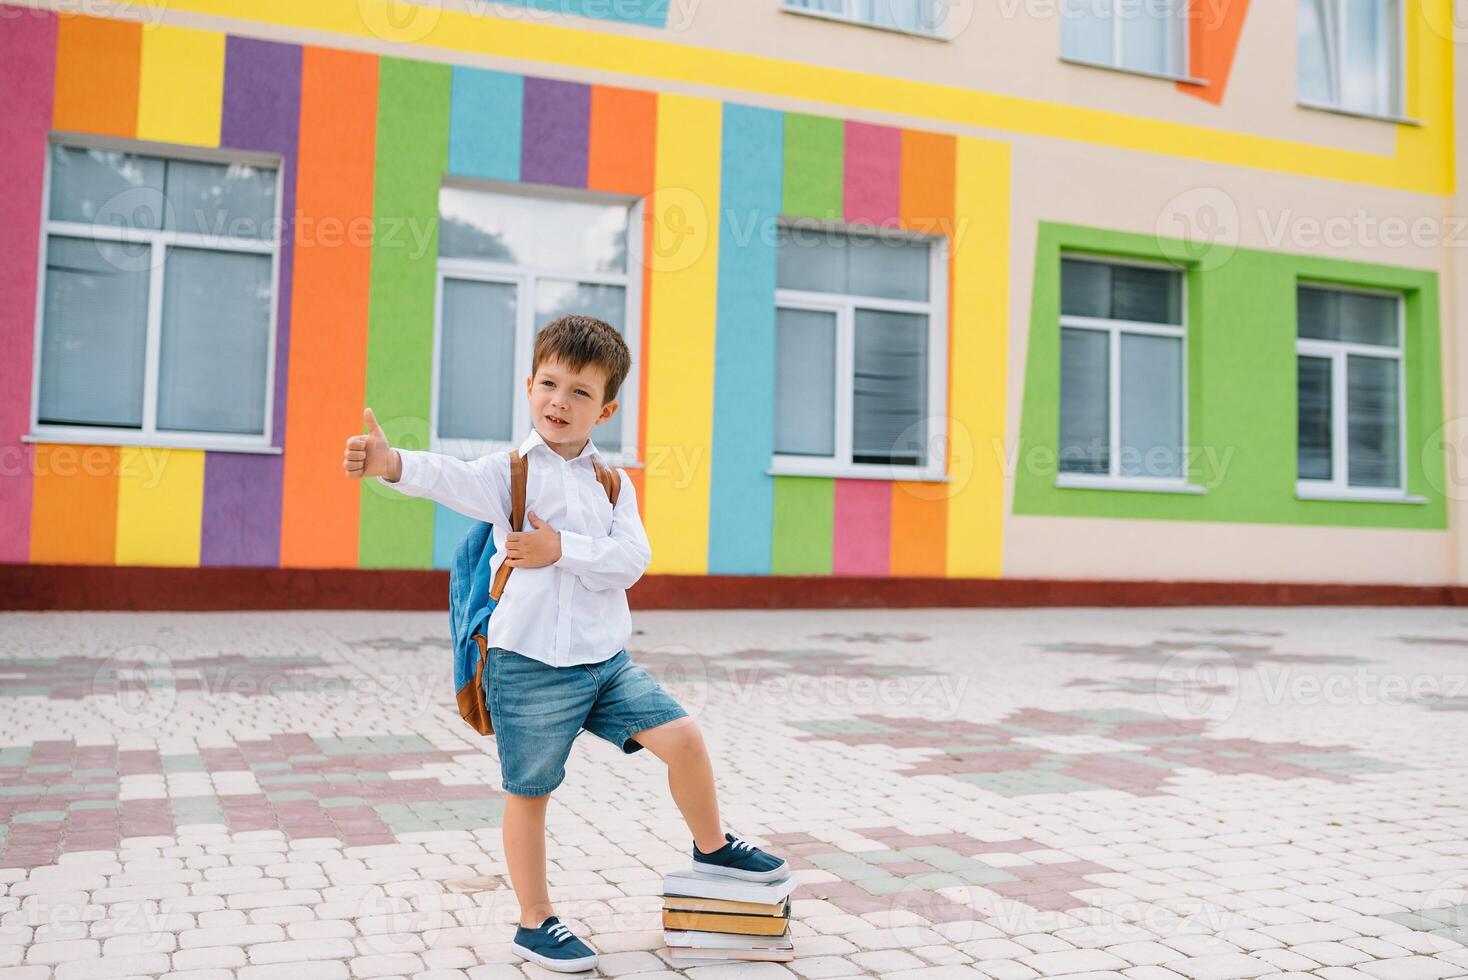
(696, 884)
(696, 939)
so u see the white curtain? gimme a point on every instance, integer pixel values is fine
(890, 388)
(1151, 406)
(477, 380)
(1373, 405)
(805, 382)
(1085, 405)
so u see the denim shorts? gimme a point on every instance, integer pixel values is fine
(538, 710)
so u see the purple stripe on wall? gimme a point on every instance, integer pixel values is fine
(27, 75)
(555, 132)
(262, 111)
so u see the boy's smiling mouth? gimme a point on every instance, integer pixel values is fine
(557, 422)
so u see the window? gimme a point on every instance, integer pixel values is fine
(860, 354)
(157, 313)
(1122, 377)
(509, 263)
(1350, 370)
(1350, 55)
(1138, 35)
(911, 16)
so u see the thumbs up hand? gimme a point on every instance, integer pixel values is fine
(370, 455)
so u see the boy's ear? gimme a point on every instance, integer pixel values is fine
(607, 411)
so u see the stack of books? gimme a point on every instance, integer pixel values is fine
(713, 919)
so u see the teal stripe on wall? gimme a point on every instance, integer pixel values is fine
(485, 124)
(412, 146)
(449, 528)
(741, 499)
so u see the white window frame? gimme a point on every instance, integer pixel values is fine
(1113, 479)
(158, 241)
(844, 306)
(524, 279)
(1335, 38)
(847, 15)
(1336, 351)
(1181, 63)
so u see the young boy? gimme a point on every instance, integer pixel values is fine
(557, 659)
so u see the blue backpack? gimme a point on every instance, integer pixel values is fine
(473, 597)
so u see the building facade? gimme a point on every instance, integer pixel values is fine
(1031, 290)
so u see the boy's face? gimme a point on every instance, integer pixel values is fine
(566, 404)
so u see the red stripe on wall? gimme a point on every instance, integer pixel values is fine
(873, 174)
(27, 62)
(328, 357)
(863, 528)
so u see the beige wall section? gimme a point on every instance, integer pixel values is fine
(1127, 191)
(1088, 548)
(1455, 313)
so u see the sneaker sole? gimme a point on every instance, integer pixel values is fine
(577, 965)
(774, 874)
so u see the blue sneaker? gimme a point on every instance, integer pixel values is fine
(740, 859)
(552, 945)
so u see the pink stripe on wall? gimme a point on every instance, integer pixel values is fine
(27, 75)
(873, 173)
(863, 527)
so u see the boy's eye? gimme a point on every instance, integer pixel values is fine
(580, 391)
(551, 383)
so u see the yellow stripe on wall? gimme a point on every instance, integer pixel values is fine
(1422, 163)
(979, 359)
(160, 506)
(683, 296)
(181, 86)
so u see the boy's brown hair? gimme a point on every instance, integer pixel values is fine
(577, 341)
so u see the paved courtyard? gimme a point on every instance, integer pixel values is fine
(1204, 793)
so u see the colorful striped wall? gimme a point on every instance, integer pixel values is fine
(368, 138)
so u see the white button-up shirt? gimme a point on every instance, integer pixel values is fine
(575, 610)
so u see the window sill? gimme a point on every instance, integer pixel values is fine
(109, 437)
(827, 15)
(1145, 73)
(856, 471)
(1077, 481)
(1303, 491)
(1359, 113)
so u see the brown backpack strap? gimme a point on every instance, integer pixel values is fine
(517, 518)
(609, 478)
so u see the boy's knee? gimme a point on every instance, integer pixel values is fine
(678, 739)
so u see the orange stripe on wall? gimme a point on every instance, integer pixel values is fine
(926, 196)
(328, 357)
(74, 517)
(1213, 40)
(920, 510)
(97, 66)
(620, 149)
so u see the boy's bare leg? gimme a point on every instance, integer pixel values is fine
(524, 836)
(679, 743)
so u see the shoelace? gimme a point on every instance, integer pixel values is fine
(739, 842)
(561, 931)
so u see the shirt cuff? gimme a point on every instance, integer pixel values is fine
(577, 553)
(409, 480)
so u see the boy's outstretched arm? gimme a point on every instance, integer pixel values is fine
(617, 560)
(479, 488)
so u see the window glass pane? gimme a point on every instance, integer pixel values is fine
(477, 380)
(1366, 69)
(825, 6)
(907, 15)
(215, 340)
(233, 200)
(811, 259)
(892, 268)
(1313, 46)
(555, 298)
(1146, 35)
(1085, 407)
(114, 189)
(1357, 318)
(805, 382)
(1085, 30)
(1148, 295)
(1314, 454)
(890, 388)
(93, 334)
(1151, 406)
(1373, 407)
(543, 232)
(1085, 288)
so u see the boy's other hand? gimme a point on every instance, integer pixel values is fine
(533, 549)
(370, 455)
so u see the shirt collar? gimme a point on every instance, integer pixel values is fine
(534, 439)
